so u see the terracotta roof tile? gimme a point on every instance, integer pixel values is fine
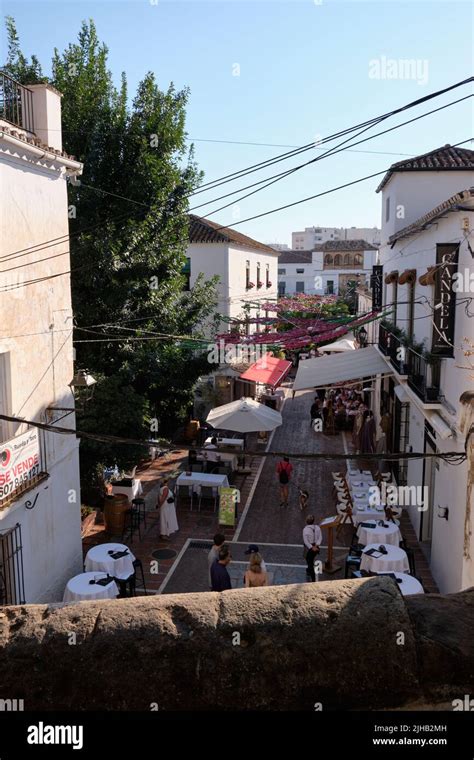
(204, 231)
(447, 158)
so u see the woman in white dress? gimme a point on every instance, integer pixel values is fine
(166, 505)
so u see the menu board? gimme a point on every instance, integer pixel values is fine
(229, 498)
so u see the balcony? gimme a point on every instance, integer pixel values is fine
(423, 377)
(392, 347)
(16, 103)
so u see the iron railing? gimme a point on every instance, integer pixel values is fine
(16, 103)
(423, 377)
(12, 581)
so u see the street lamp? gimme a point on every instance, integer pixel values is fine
(82, 386)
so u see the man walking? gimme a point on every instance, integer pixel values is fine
(284, 470)
(220, 578)
(312, 538)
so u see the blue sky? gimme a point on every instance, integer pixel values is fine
(305, 70)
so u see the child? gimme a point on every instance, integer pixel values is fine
(304, 496)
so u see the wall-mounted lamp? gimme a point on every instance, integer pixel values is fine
(82, 385)
(443, 512)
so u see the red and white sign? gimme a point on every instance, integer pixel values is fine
(19, 462)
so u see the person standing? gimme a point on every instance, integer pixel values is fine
(284, 470)
(210, 454)
(255, 577)
(166, 505)
(253, 549)
(213, 555)
(367, 434)
(312, 538)
(315, 412)
(220, 578)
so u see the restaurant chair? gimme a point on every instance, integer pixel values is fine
(352, 563)
(185, 493)
(138, 582)
(140, 505)
(207, 494)
(131, 523)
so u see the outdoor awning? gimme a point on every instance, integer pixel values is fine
(345, 344)
(401, 394)
(351, 365)
(268, 370)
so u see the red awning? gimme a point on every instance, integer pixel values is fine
(268, 370)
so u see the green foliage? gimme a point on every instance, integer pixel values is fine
(127, 265)
(17, 65)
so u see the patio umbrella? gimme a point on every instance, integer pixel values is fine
(244, 416)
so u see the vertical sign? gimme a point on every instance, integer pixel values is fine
(377, 287)
(228, 499)
(445, 298)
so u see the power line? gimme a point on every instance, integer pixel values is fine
(331, 152)
(453, 457)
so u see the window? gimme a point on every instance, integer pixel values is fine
(258, 275)
(187, 274)
(328, 260)
(338, 260)
(299, 271)
(247, 274)
(267, 277)
(387, 209)
(300, 287)
(330, 287)
(358, 260)
(282, 271)
(281, 288)
(347, 260)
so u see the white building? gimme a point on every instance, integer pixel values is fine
(40, 537)
(428, 258)
(247, 269)
(309, 238)
(326, 270)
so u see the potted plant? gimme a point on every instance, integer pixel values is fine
(259, 284)
(250, 285)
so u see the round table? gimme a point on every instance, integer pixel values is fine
(378, 534)
(395, 560)
(98, 558)
(79, 588)
(409, 585)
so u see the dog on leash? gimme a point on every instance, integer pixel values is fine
(304, 496)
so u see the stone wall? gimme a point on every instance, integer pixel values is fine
(333, 645)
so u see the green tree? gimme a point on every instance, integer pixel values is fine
(128, 243)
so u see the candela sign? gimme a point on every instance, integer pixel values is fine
(19, 462)
(445, 300)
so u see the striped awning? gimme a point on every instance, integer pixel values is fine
(352, 365)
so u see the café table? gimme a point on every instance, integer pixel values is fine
(408, 585)
(238, 443)
(133, 491)
(394, 560)
(80, 588)
(99, 559)
(387, 533)
(198, 479)
(218, 457)
(364, 513)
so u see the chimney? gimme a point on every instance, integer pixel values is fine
(47, 114)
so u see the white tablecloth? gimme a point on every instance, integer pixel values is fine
(365, 513)
(99, 559)
(132, 492)
(395, 560)
(78, 589)
(223, 442)
(198, 479)
(409, 585)
(223, 457)
(379, 535)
